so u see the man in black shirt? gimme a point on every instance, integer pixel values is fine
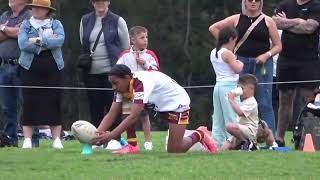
(299, 59)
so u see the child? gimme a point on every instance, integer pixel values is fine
(227, 69)
(159, 92)
(264, 135)
(315, 105)
(137, 58)
(246, 127)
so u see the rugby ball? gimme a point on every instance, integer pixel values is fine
(83, 131)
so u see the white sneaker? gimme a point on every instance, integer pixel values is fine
(57, 144)
(148, 146)
(113, 145)
(27, 144)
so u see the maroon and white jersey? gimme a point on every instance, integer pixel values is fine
(159, 91)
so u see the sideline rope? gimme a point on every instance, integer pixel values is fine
(109, 89)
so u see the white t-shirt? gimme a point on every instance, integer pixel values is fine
(159, 91)
(249, 107)
(222, 69)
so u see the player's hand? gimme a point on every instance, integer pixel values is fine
(101, 138)
(262, 58)
(140, 61)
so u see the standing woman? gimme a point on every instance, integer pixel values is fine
(256, 52)
(113, 40)
(40, 40)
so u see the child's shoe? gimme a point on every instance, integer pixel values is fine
(57, 144)
(148, 146)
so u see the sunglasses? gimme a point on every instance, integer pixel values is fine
(254, 0)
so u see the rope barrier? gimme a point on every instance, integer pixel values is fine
(109, 89)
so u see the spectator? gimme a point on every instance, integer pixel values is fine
(155, 90)
(113, 40)
(9, 53)
(255, 51)
(137, 58)
(244, 130)
(299, 60)
(40, 40)
(227, 69)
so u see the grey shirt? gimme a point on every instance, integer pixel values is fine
(100, 59)
(9, 48)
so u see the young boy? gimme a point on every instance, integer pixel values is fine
(137, 58)
(244, 131)
(152, 89)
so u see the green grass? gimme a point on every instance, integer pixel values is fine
(46, 163)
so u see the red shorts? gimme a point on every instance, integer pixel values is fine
(176, 117)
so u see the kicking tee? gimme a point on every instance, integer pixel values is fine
(157, 91)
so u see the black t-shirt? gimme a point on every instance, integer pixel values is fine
(300, 46)
(258, 41)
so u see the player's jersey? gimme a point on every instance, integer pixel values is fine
(158, 91)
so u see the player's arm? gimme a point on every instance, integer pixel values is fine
(110, 117)
(229, 21)
(231, 59)
(234, 105)
(135, 111)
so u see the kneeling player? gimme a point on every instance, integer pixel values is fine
(157, 90)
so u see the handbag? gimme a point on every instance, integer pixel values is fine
(249, 30)
(85, 57)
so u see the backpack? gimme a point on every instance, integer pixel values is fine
(5, 140)
(308, 122)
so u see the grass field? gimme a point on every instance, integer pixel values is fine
(46, 163)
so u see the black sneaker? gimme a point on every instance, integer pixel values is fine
(253, 147)
(280, 143)
(246, 145)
